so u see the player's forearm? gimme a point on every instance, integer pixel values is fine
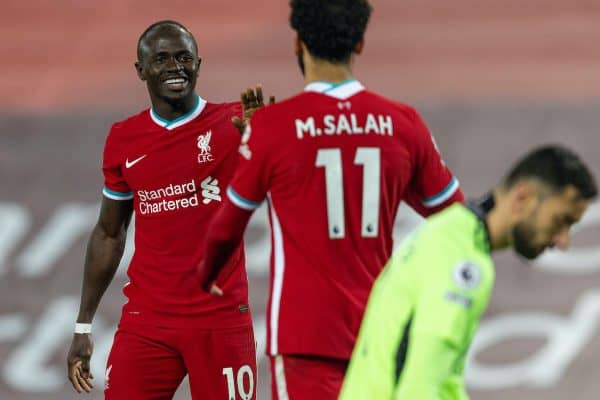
(101, 262)
(220, 246)
(217, 253)
(226, 232)
(429, 365)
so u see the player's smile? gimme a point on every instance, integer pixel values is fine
(176, 84)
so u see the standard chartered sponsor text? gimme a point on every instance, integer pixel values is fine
(154, 201)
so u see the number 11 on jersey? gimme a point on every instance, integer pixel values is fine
(370, 159)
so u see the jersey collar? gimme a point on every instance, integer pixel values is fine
(340, 91)
(179, 121)
(481, 207)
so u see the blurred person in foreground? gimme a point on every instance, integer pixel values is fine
(334, 162)
(425, 306)
(169, 164)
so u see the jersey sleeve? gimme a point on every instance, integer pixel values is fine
(433, 186)
(427, 377)
(251, 181)
(446, 315)
(115, 186)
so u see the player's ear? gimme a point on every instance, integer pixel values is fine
(524, 199)
(198, 68)
(359, 46)
(140, 70)
(298, 49)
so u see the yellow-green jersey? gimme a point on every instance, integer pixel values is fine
(423, 312)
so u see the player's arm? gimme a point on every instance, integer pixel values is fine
(426, 372)
(440, 332)
(245, 193)
(434, 187)
(104, 251)
(227, 228)
(225, 234)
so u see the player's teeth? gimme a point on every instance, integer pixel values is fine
(178, 80)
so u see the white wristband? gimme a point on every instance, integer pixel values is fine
(83, 328)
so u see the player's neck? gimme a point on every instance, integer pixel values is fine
(498, 224)
(171, 110)
(322, 71)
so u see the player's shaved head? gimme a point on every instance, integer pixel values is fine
(159, 28)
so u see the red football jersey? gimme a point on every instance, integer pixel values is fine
(334, 162)
(175, 171)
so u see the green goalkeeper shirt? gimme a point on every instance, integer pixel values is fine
(423, 312)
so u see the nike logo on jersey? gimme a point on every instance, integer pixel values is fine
(129, 164)
(210, 190)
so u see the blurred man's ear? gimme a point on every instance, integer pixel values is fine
(359, 47)
(524, 197)
(140, 70)
(298, 49)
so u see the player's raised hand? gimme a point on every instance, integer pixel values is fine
(78, 362)
(252, 100)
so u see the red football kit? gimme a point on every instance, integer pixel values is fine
(334, 163)
(176, 173)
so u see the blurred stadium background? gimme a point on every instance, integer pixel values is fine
(491, 78)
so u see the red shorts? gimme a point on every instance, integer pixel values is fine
(306, 377)
(149, 363)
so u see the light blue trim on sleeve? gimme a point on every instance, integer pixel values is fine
(111, 194)
(240, 201)
(442, 196)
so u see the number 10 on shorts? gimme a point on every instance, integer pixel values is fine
(240, 379)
